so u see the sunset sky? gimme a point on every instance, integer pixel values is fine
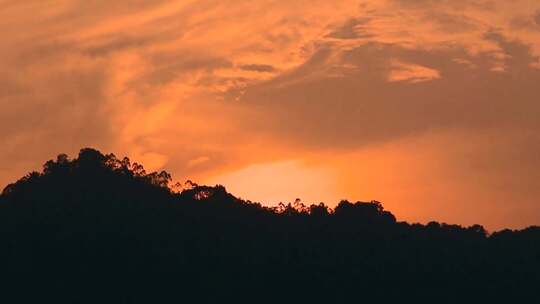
(429, 106)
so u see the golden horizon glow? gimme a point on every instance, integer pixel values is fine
(428, 106)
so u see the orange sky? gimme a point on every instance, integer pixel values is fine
(430, 106)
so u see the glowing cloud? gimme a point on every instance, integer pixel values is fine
(207, 89)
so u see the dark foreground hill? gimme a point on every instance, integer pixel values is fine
(98, 229)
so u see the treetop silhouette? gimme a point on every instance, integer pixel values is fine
(97, 220)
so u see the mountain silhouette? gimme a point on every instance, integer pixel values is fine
(97, 229)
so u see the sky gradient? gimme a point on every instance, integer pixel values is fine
(431, 107)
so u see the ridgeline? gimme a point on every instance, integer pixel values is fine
(98, 229)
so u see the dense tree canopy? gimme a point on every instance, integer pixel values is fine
(101, 229)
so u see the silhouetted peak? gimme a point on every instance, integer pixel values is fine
(91, 157)
(90, 171)
(216, 193)
(367, 211)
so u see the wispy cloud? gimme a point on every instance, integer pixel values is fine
(207, 88)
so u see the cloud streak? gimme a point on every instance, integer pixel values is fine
(208, 89)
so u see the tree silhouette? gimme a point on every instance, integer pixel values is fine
(101, 229)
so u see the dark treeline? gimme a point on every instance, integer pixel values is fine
(100, 229)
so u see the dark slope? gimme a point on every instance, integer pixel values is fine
(98, 229)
